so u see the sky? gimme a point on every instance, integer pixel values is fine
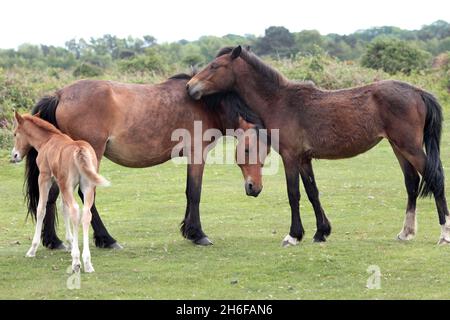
(54, 22)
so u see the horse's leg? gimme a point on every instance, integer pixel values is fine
(44, 187)
(191, 227)
(49, 237)
(101, 236)
(412, 181)
(322, 223)
(417, 157)
(86, 221)
(291, 169)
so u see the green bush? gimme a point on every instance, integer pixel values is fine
(87, 70)
(150, 62)
(393, 56)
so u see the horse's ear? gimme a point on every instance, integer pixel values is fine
(236, 52)
(244, 125)
(248, 48)
(18, 117)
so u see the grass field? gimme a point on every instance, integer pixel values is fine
(364, 198)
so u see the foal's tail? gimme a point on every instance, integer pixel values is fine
(47, 111)
(84, 163)
(433, 176)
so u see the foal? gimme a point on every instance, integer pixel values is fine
(69, 163)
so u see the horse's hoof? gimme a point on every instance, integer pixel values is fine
(76, 268)
(88, 268)
(405, 237)
(203, 242)
(443, 241)
(319, 239)
(30, 254)
(115, 246)
(289, 241)
(62, 246)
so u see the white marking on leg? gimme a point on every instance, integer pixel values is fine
(289, 241)
(40, 213)
(74, 214)
(69, 236)
(445, 232)
(409, 226)
(86, 220)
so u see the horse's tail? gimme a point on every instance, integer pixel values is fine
(46, 108)
(433, 176)
(85, 165)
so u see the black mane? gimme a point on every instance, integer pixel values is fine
(230, 102)
(258, 65)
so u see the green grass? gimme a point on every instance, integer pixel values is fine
(364, 198)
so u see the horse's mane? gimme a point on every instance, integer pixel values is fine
(41, 123)
(258, 65)
(232, 104)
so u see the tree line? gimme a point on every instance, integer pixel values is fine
(375, 47)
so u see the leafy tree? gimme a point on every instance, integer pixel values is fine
(394, 56)
(277, 41)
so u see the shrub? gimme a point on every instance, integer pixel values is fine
(393, 56)
(87, 70)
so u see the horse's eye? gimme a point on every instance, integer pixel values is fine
(15, 134)
(214, 66)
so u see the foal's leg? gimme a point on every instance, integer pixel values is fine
(323, 225)
(292, 179)
(86, 217)
(191, 227)
(49, 237)
(101, 236)
(72, 205)
(44, 187)
(412, 181)
(66, 216)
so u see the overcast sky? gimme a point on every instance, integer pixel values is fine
(54, 22)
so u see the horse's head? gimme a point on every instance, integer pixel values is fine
(251, 151)
(21, 142)
(217, 76)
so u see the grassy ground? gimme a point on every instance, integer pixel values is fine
(364, 198)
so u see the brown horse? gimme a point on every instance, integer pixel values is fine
(132, 125)
(315, 123)
(70, 163)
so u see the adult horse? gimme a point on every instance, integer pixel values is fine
(315, 123)
(132, 125)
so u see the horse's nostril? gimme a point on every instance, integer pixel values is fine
(250, 186)
(187, 86)
(15, 156)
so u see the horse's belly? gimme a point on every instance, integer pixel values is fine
(136, 157)
(342, 150)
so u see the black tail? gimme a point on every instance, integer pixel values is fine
(433, 177)
(47, 111)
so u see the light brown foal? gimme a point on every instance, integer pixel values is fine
(70, 163)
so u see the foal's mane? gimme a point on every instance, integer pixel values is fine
(230, 102)
(41, 123)
(258, 65)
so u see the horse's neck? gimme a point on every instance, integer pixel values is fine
(37, 136)
(258, 93)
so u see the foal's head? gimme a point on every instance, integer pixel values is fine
(251, 151)
(21, 141)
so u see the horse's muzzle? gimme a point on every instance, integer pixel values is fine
(252, 190)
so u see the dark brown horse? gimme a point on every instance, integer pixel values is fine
(132, 125)
(315, 123)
